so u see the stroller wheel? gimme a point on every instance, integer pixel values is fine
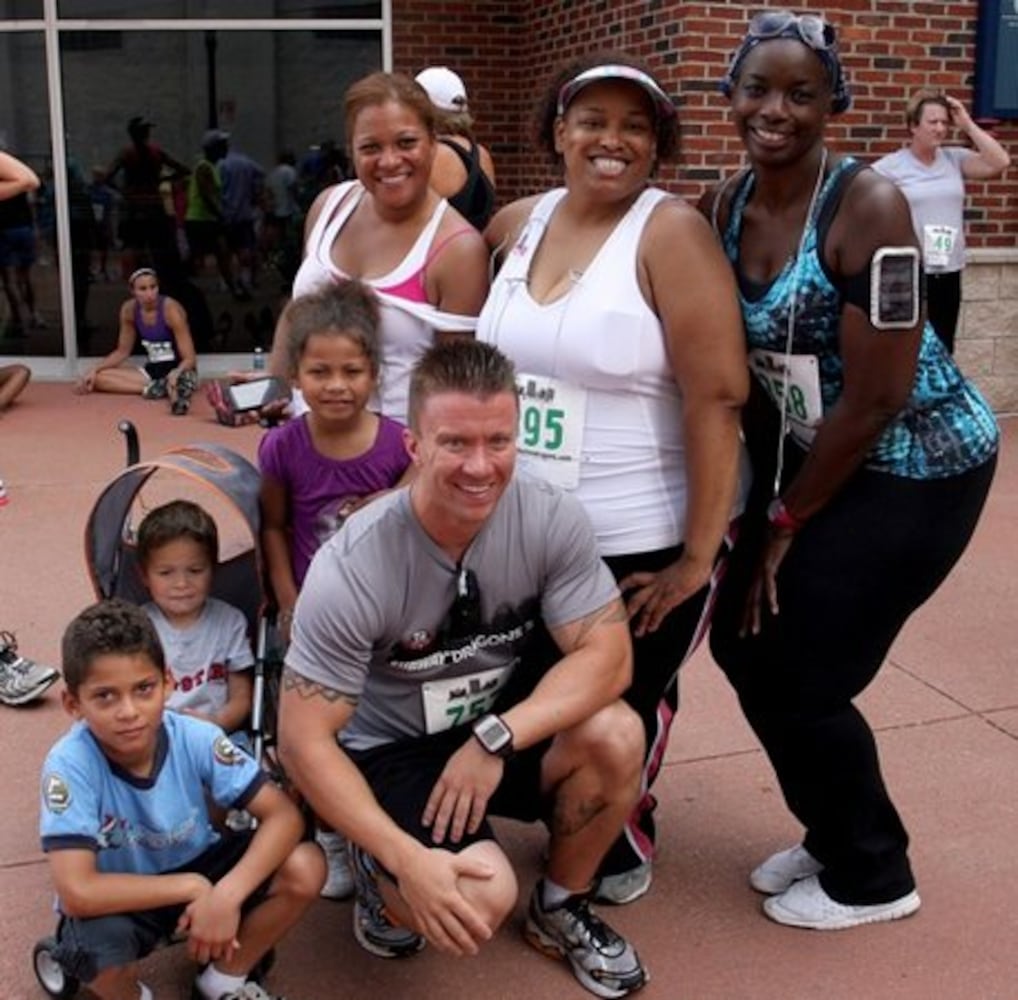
(50, 973)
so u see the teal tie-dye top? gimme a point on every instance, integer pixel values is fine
(945, 427)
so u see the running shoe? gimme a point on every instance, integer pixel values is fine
(21, 680)
(625, 887)
(249, 991)
(602, 960)
(156, 389)
(806, 904)
(372, 928)
(782, 870)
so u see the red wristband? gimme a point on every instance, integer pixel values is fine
(782, 518)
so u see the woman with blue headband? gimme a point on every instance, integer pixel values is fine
(619, 311)
(872, 458)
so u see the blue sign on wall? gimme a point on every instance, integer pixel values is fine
(996, 91)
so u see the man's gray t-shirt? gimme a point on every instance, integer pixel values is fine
(373, 617)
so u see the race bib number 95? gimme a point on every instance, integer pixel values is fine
(551, 427)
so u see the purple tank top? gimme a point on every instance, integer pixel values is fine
(157, 339)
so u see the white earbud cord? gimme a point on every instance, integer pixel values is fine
(789, 336)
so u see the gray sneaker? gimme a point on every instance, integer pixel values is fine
(782, 870)
(625, 887)
(602, 960)
(21, 680)
(156, 389)
(372, 928)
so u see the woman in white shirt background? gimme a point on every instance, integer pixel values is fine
(932, 177)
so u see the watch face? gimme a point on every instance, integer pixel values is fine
(493, 733)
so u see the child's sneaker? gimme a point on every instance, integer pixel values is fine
(602, 960)
(156, 389)
(372, 928)
(339, 882)
(249, 991)
(21, 680)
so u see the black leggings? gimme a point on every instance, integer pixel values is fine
(654, 693)
(943, 303)
(851, 578)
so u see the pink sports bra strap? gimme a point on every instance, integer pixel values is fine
(437, 248)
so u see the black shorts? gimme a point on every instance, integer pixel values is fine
(402, 775)
(87, 946)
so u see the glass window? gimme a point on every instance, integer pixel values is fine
(218, 216)
(20, 10)
(143, 9)
(30, 301)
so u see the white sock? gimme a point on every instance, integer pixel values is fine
(552, 894)
(215, 984)
(144, 993)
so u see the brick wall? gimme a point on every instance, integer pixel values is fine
(507, 51)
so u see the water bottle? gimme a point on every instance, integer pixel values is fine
(258, 360)
(3, 494)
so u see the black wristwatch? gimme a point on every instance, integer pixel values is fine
(494, 735)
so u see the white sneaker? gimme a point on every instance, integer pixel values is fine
(805, 904)
(782, 870)
(339, 881)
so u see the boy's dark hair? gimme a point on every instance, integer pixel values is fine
(666, 130)
(110, 627)
(469, 366)
(174, 520)
(349, 308)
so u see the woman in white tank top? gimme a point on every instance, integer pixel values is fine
(620, 313)
(389, 228)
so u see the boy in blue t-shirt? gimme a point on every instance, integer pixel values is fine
(125, 826)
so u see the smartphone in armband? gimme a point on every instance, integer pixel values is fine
(253, 395)
(895, 288)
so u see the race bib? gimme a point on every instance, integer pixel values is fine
(803, 405)
(551, 427)
(159, 350)
(451, 702)
(938, 242)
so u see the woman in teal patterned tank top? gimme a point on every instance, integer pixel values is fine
(868, 481)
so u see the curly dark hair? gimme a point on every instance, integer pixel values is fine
(349, 308)
(666, 130)
(112, 627)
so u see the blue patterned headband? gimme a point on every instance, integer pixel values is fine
(809, 29)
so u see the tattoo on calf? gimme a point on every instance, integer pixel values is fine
(307, 689)
(571, 817)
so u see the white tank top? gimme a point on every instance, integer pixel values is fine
(603, 338)
(408, 320)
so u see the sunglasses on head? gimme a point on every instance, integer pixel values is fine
(814, 31)
(465, 613)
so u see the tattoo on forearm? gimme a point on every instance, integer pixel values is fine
(307, 689)
(571, 817)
